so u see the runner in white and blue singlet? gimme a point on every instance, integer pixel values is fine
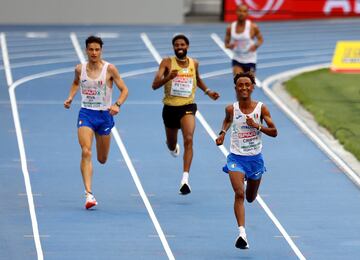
(243, 37)
(95, 80)
(244, 119)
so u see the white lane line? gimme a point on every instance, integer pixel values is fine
(77, 47)
(39, 62)
(6, 59)
(282, 230)
(225, 152)
(306, 129)
(151, 47)
(131, 167)
(221, 44)
(37, 35)
(138, 72)
(24, 167)
(107, 35)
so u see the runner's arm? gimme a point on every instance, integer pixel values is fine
(226, 124)
(163, 75)
(74, 87)
(270, 128)
(124, 92)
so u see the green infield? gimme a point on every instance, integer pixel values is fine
(334, 100)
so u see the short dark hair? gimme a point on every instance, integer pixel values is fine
(180, 36)
(92, 39)
(248, 74)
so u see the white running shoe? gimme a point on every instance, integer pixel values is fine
(90, 201)
(241, 242)
(184, 188)
(176, 151)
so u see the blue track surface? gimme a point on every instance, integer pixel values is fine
(313, 200)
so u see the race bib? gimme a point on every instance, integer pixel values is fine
(93, 95)
(182, 86)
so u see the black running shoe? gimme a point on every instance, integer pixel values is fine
(241, 242)
(185, 189)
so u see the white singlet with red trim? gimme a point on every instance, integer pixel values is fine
(244, 139)
(95, 94)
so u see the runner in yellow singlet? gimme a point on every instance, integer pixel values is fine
(180, 77)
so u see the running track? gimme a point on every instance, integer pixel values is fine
(308, 207)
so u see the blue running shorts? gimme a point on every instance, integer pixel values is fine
(98, 120)
(252, 166)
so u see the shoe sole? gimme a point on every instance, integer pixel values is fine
(241, 243)
(185, 189)
(89, 205)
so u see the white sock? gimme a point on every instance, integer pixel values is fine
(185, 177)
(242, 230)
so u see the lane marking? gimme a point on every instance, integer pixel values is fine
(225, 152)
(6, 60)
(108, 35)
(283, 237)
(24, 167)
(130, 166)
(37, 35)
(45, 236)
(151, 47)
(156, 236)
(138, 195)
(24, 194)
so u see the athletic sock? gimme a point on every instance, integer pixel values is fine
(242, 230)
(185, 178)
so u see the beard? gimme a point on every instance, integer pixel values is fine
(181, 55)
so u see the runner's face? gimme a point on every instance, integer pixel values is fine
(180, 48)
(242, 12)
(93, 52)
(244, 88)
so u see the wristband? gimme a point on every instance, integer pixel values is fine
(207, 91)
(222, 132)
(259, 128)
(117, 104)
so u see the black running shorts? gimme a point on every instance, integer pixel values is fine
(173, 114)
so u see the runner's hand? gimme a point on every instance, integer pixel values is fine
(67, 103)
(173, 74)
(251, 122)
(220, 140)
(114, 110)
(213, 95)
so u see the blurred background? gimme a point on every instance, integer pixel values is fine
(167, 11)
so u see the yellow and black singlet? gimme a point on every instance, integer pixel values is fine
(181, 90)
